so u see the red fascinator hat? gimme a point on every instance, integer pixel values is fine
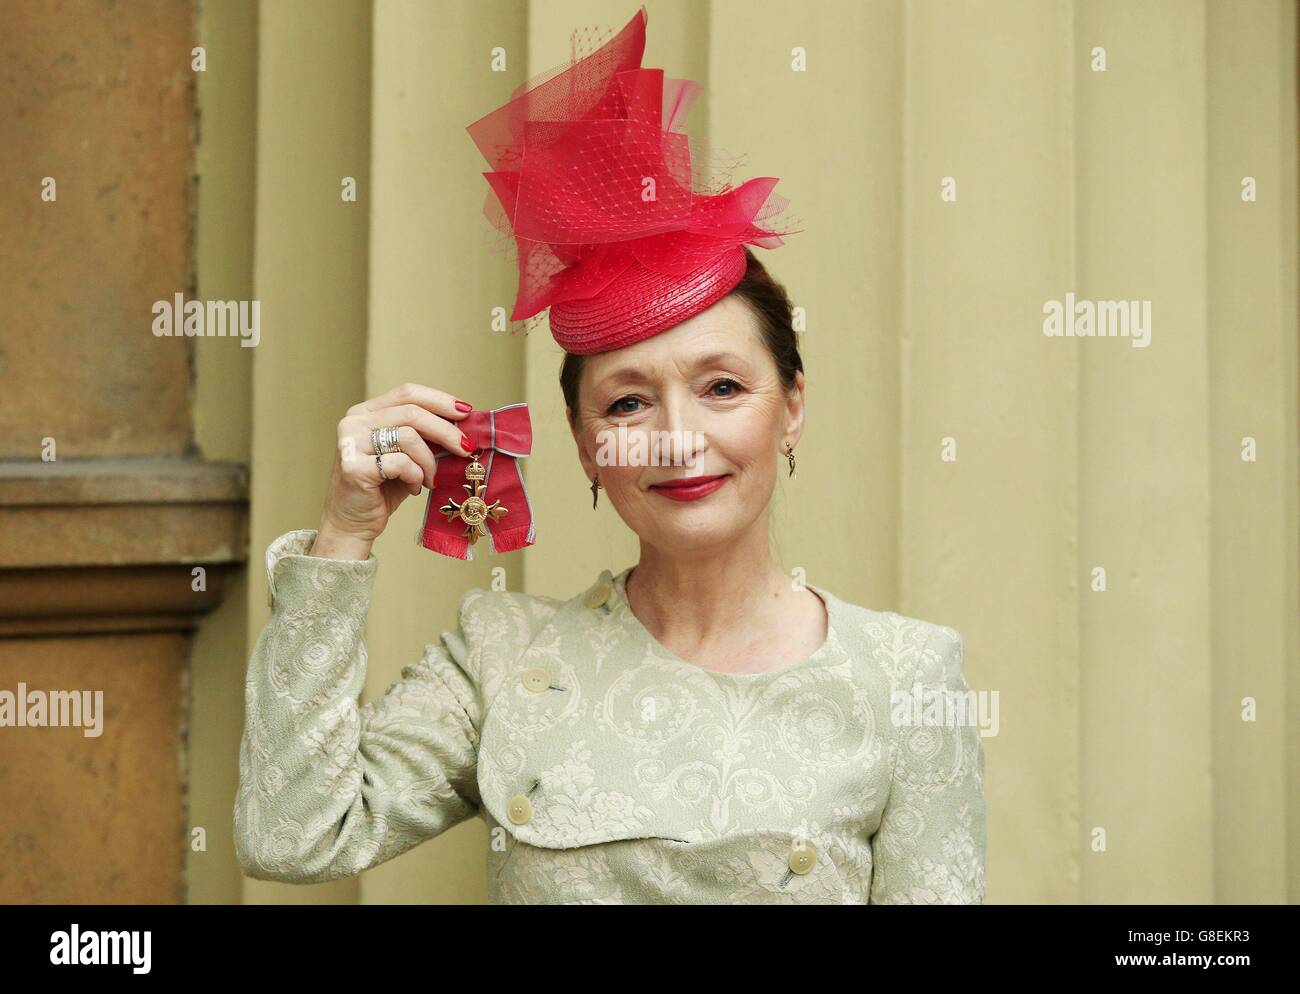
(624, 224)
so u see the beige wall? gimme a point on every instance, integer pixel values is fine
(224, 213)
(1119, 710)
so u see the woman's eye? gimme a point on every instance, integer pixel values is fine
(618, 407)
(727, 383)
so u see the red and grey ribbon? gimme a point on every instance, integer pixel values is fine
(501, 437)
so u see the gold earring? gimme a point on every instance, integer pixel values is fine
(595, 492)
(789, 455)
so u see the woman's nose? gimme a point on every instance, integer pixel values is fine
(682, 424)
(674, 413)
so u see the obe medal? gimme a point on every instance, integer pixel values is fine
(474, 510)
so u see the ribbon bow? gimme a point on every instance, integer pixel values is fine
(461, 507)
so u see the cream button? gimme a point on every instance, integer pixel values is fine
(598, 594)
(520, 809)
(536, 679)
(802, 858)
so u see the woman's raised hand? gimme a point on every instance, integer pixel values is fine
(360, 500)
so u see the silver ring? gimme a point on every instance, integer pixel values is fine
(386, 439)
(379, 461)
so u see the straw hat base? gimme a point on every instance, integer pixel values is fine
(640, 303)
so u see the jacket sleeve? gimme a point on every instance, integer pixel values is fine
(328, 789)
(930, 846)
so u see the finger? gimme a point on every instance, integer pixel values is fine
(432, 427)
(410, 442)
(435, 401)
(397, 466)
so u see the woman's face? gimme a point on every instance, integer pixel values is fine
(706, 390)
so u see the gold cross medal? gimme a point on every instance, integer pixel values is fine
(474, 510)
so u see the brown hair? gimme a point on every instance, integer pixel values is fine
(768, 302)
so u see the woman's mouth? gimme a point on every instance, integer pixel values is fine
(690, 487)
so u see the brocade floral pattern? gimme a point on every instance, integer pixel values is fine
(648, 779)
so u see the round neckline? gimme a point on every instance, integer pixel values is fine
(819, 656)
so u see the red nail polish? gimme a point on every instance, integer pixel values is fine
(465, 443)
(464, 406)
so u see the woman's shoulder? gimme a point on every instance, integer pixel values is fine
(904, 647)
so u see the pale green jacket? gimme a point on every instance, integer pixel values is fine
(606, 769)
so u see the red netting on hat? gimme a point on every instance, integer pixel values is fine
(621, 221)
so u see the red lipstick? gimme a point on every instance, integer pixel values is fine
(689, 487)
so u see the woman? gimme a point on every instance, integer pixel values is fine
(696, 728)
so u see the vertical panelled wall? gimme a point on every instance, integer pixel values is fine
(1198, 622)
(1251, 278)
(954, 172)
(310, 273)
(989, 439)
(1143, 419)
(223, 382)
(1123, 770)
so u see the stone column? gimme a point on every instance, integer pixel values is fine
(114, 536)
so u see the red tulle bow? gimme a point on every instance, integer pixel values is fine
(501, 437)
(624, 224)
